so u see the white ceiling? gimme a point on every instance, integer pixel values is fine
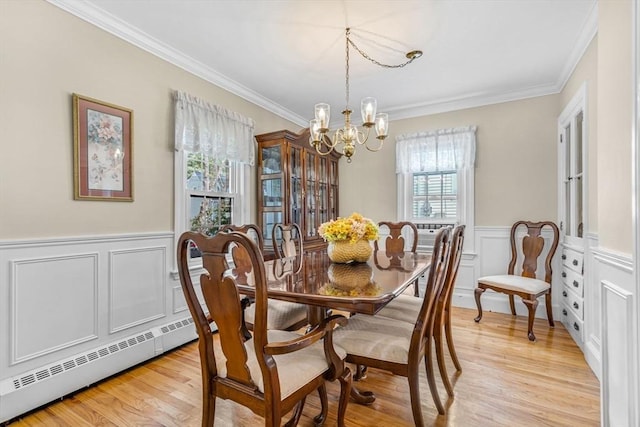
(287, 55)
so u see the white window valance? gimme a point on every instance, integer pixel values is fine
(201, 127)
(436, 151)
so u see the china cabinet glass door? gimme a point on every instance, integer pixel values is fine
(272, 191)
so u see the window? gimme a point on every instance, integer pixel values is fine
(214, 150)
(209, 192)
(435, 196)
(435, 173)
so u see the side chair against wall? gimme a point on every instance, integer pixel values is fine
(272, 372)
(401, 347)
(288, 316)
(405, 308)
(524, 284)
(396, 243)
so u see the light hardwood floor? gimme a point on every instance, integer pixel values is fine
(506, 381)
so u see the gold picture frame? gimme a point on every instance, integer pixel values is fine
(102, 150)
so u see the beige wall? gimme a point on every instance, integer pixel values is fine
(615, 98)
(46, 55)
(587, 71)
(516, 163)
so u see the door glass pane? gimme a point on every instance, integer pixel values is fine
(272, 192)
(568, 153)
(578, 207)
(567, 204)
(578, 142)
(269, 219)
(271, 160)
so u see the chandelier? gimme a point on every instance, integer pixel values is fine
(349, 135)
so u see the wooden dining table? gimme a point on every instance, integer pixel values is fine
(354, 288)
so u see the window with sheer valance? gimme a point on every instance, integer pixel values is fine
(215, 148)
(435, 171)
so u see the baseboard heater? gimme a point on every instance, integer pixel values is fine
(35, 388)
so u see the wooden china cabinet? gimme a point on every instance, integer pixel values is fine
(295, 185)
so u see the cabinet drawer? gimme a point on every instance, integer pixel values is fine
(572, 259)
(574, 325)
(573, 281)
(574, 302)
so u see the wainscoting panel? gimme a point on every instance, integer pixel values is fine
(136, 287)
(619, 307)
(50, 310)
(79, 309)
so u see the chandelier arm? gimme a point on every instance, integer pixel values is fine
(378, 148)
(364, 55)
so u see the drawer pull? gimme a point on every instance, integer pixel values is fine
(564, 293)
(564, 311)
(575, 284)
(564, 256)
(575, 262)
(564, 274)
(575, 305)
(576, 326)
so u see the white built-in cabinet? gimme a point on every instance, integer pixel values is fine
(572, 198)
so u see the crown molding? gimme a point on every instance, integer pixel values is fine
(106, 21)
(589, 31)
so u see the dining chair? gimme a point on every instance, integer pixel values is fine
(272, 372)
(288, 249)
(284, 315)
(395, 243)
(400, 347)
(525, 283)
(405, 308)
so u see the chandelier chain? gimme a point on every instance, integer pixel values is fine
(347, 69)
(364, 55)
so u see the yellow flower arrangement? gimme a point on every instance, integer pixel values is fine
(353, 228)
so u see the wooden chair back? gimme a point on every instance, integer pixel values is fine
(250, 230)
(226, 370)
(288, 249)
(532, 247)
(395, 241)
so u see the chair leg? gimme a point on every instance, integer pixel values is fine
(296, 413)
(208, 404)
(449, 336)
(416, 289)
(345, 391)
(531, 305)
(437, 336)
(414, 393)
(478, 293)
(361, 372)
(547, 302)
(512, 305)
(319, 419)
(431, 379)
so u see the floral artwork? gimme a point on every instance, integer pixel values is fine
(105, 151)
(352, 228)
(102, 150)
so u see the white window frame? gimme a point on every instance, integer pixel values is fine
(240, 187)
(465, 206)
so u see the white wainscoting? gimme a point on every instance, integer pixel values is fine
(80, 309)
(620, 382)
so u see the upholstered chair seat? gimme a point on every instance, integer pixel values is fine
(280, 315)
(516, 283)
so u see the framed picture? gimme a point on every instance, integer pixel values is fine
(102, 150)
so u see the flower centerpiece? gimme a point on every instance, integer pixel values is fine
(349, 238)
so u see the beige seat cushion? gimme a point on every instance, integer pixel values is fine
(377, 337)
(516, 283)
(294, 369)
(403, 307)
(280, 314)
